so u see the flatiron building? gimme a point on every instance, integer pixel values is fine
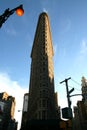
(42, 102)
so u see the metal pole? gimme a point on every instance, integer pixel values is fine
(67, 90)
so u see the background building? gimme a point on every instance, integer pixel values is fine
(7, 109)
(80, 111)
(84, 91)
(24, 111)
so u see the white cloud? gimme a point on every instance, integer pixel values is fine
(44, 10)
(65, 25)
(55, 48)
(81, 55)
(83, 50)
(15, 90)
(10, 30)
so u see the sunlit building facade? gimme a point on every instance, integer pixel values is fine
(7, 110)
(42, 102)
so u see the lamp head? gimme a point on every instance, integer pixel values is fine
(20, 11)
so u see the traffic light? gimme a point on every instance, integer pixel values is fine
(67, 113)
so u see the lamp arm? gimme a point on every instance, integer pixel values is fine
(7, 13)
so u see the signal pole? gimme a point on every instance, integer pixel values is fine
(68, 99)
(67, 90)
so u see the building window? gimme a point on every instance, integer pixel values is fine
(39, 114)
(44, 114)
(44, 103)
(40, 103)
(40, 94)
(43, 68)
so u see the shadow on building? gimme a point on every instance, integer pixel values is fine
(42, 125)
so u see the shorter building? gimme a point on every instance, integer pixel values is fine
(84, 91)
(25, 110)
(80, 116)
(7, 109)
(80, 111)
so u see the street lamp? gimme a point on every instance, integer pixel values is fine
(19, 11)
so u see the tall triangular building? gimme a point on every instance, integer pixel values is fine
(42, 98)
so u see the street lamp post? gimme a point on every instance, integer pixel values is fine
(19, 11)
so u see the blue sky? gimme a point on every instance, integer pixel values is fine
(68, 22)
